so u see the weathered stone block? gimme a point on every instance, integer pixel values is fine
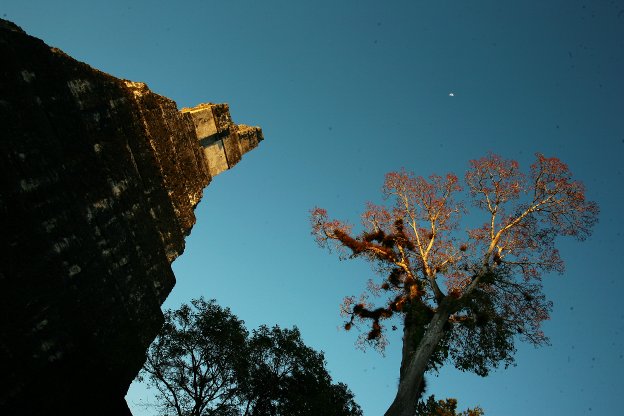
(220, 137)
(248, 137)
(203, 120)
(216, 160)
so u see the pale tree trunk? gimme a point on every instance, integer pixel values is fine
(415, 359)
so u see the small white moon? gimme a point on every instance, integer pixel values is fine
(451, 94)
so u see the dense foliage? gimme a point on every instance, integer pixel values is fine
(204, 362)
(446, 407)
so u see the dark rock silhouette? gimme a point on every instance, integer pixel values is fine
(99, 179)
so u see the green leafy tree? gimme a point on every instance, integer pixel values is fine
(463, 295)
(205, 363)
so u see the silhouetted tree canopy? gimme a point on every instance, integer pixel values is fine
(204, 362)
(446, 407)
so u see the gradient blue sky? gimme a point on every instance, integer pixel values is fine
(348, 90)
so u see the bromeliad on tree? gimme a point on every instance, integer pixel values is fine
(462, 297)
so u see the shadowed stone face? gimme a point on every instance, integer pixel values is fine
(99, 179)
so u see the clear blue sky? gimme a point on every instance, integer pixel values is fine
(349, 90)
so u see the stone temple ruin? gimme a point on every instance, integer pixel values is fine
(99, 180)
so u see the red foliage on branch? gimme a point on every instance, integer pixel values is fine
(417, 243)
